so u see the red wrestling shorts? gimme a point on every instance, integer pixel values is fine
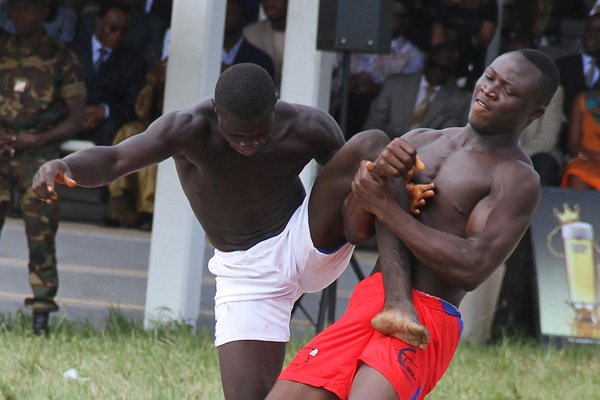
(330, 359)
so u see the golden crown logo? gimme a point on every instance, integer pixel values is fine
(568, 216)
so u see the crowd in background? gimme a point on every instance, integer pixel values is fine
(438, 50)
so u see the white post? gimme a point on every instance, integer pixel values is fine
(306, 74)
(178, 241)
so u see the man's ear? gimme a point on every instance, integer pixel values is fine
(537, 113)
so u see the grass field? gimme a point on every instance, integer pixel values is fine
(123, 361)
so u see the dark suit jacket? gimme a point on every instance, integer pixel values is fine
(572, 79)
(146, 33)
(118, 81)
(251, 54)
(392, 109)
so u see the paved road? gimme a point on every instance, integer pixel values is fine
(101, 268)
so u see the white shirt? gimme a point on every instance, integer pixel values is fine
(96, 46)
(587, 62)
(227, 57)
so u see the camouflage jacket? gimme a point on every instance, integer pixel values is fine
(34, 84)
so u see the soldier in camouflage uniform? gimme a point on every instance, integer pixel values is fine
(41, 104)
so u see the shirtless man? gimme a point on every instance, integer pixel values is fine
(238, 158)
(486, 192)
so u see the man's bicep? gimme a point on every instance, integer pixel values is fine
(499, 221)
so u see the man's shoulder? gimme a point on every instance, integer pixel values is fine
(518, 174)
(421, 136)
(188, 123)
(307, 122)
(298, 113)
(202, 112)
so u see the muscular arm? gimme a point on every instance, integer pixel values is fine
(324, 131)
(100, 165)
(63, 130)
(494, 228)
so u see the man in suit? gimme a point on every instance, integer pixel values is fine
(579, 72)
(146, 30)
(429, 99)
(236, 49)
(114, 74)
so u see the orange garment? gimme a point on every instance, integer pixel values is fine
(582, 167)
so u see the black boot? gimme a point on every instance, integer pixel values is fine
(40, 323)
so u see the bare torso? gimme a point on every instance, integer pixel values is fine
(241, 200)
(464, 175)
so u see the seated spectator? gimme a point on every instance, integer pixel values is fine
(428, 99)
(369, 71)
(470, 25)
(59, 25)
(131, 197)
(145, 32)
(579, 72)
(114, 74)
(236, 49)
(583, 142)
(269, 34)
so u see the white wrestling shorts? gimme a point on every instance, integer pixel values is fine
(257, 288)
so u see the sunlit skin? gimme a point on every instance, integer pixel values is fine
(504, 98)
(486, 193)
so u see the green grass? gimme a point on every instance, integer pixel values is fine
(123, 361)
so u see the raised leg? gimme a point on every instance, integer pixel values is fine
(289, 390)
(333, 185)
(370, 384)
(249, 368)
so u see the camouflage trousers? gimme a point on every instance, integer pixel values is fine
(41, 224)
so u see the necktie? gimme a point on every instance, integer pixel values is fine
(421, 109)
(100, 60)
(591, 72)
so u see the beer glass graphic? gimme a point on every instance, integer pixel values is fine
(580, 265)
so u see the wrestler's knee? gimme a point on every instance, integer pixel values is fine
(368, 144)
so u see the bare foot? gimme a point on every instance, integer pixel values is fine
(401, 326)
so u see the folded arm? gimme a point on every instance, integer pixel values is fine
(494, 228)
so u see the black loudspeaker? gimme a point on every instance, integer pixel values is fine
(363, 26)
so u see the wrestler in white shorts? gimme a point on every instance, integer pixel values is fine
(257, 288)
